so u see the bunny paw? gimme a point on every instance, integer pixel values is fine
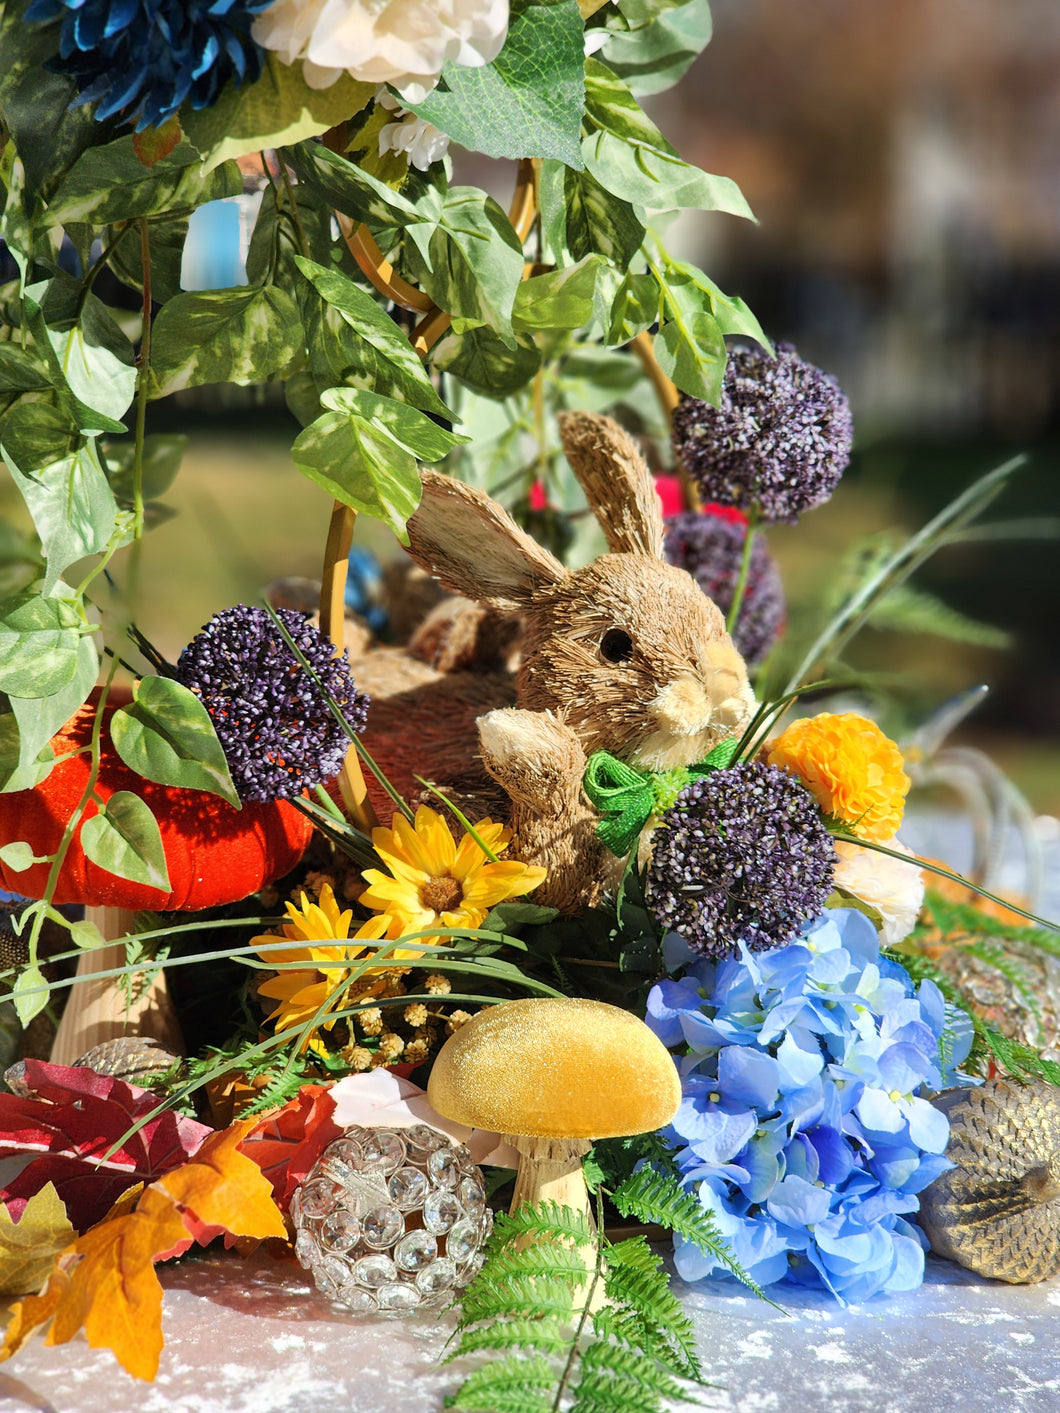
(538, 760)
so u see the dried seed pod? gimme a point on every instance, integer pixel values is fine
(997, 1212)
(135, 1059)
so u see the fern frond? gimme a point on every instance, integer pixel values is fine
(958, 920)
(544, 1256)
(615, 1379)
(516, 1384)
(543, 1219)
(668, 1334)
(545, 1336)
(1010, 1056)
(514, 1298)
(1014, 1058)
(907, 610)
(651, 1196)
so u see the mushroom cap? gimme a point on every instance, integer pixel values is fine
(215, 854)
(553, 1067)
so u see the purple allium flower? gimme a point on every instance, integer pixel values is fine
(741, 856)
(802, 1129)
(271, 718)
(710, 547)
(142, 59)
(780, 439)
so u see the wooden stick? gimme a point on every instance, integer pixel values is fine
(352, 783)
(374, 264)
(98, 1009)
(668, 397)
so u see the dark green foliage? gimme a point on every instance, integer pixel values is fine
(989, 1046)
(958, 921)
(578, 1322)
(653, 1196)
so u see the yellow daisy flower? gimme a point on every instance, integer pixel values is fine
(850, 767)
(300, 994)
(435, 882)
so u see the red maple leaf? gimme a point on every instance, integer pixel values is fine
(76, 1116)
(287, 1143)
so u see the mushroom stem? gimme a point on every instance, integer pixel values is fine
(550, 1170)
(98, 1009)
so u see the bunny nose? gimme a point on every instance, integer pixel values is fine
(683, 707)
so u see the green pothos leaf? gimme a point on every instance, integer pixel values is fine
(124, 839)
(110, 183)
(87, 936)
(585, 218)
(363, 451)
(348, 187)
(162, 455)
(39, 717)
(38, 645)
(19, 856)
(485, 363)
(21, 369)
(628, 155)
(276, 110)
(167, 735)
(243, 335)
(36, 101)
(690, 350)
(560, 299)
(469, 260)
(38, 431)
(660, 46)
(30, 994)
(90, 379)
(72, 505)
(373, 342)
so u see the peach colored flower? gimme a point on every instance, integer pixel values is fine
(891, 886)
(850, 767)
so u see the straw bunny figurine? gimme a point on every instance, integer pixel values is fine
(625, 655)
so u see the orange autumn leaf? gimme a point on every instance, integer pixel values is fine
(105, 1281)
(112, 1291)
(224, 1189)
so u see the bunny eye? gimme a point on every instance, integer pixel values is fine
(616, 645)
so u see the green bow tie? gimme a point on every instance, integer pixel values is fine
(627, 797)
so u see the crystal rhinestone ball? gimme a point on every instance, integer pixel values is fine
(389, 1220)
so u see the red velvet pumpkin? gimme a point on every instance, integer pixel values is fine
(215, 854)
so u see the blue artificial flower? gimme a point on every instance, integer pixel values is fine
(142, 59)
(802, 1129)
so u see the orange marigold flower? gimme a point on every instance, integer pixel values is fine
(850, 767)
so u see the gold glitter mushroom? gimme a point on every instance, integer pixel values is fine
(552, 1073)
(998, 1210)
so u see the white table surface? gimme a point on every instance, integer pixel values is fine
(255, 1337)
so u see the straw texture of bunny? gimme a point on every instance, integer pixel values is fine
(625, 655)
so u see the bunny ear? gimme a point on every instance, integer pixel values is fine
(616, 480)
(472, 546)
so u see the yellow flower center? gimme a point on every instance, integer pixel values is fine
(441, 893)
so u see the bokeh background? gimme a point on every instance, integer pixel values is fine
(903, 160)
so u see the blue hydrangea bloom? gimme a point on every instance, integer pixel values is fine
(802, 1128)
(142, 59)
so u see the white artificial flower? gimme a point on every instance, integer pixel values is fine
(400, 42)
(423, 142)
(894, 888)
